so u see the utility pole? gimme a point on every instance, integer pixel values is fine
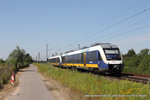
(78, 46)
(46, 51)
(55, 53)
(38, 56)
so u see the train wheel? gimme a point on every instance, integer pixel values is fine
(74, 68)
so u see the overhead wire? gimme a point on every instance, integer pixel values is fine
(88, 35)
(126, 27)
(117, 23)
(124, 33)
(112, 18)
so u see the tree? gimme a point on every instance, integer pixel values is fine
(130, 53)
(2, 61)
(144, 65)
(27, 59)
(18, 58)
(144, 52)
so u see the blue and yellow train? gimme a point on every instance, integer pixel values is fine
(104, 57)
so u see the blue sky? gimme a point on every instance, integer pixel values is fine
(65, 23)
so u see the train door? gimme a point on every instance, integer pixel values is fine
(84, 59)
(65, 60)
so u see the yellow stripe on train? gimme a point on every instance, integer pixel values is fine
(74, 64)
(81, 65)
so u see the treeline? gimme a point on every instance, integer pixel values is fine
(137, 63)
(2, 63)
(18, 58)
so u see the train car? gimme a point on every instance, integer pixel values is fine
(55, 60)
(104, 57)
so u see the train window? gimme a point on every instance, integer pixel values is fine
(92, 56)
(71, 59)
(82, 58)
(65, 59)
(74, 58)
(78, 58)
(68, 59)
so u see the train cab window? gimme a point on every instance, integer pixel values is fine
(112, 54)
(112, 51)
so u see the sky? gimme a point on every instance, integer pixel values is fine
(63, 24)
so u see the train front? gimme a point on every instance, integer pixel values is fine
(112, 58)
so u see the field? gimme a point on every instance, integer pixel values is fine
(89, 84)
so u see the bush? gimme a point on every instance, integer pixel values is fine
(5, 74)
(144, 66)
(137, 63)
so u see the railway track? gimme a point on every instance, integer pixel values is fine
(145, 79)
(140, 78)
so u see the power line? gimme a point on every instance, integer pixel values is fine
(124, 33)
(117, 23)
(128, 26)
(115, 16)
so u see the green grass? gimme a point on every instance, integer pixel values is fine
(89, 84)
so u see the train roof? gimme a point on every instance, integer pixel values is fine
(57, 56)
(92, 48)
(107, 45)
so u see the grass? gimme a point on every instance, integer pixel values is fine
(89, 84)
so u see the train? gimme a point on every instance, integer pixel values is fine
(103, 57)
